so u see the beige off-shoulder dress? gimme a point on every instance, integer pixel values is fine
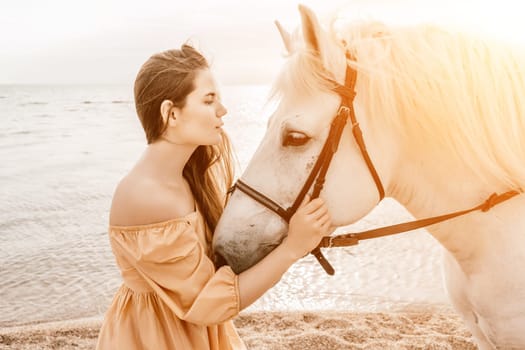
(171, 297)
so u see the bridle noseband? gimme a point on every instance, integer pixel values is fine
(320, 168)
(318, 174)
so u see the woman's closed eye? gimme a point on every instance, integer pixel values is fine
(210, 98)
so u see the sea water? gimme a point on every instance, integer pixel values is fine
(62, 151)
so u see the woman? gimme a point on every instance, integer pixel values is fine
(165, 210)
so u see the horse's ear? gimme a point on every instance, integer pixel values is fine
(287, 40)
(312, 31)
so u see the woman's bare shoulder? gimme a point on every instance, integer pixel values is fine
(141, 200)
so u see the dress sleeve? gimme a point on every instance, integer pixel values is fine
(174, 264)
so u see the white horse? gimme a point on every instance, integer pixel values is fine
(443, 118)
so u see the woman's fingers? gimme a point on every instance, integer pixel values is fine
(325, 221)
(316, 211)
(305, 201)
(313, 205)
(316, 215)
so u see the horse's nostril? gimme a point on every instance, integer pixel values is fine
(219, 260)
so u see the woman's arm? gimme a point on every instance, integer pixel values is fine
(307, 226)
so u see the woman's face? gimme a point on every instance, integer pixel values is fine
(199, 121)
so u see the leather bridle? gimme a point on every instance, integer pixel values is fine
(320, 168)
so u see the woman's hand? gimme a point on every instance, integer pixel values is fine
(307, 227)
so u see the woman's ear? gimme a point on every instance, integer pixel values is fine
(167, 111)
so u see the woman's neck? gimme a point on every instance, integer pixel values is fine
(165, 161)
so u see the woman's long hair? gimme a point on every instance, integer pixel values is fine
(170, 75)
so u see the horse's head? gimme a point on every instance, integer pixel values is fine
(296, 133)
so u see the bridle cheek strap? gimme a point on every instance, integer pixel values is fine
(348, 94)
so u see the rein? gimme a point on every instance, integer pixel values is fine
(318, 174)
(349, 239)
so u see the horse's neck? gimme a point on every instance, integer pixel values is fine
(429, 188)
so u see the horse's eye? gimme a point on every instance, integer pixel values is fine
(295, 138)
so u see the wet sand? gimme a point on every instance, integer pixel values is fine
(284, 330)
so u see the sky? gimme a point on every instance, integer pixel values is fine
(106, 41)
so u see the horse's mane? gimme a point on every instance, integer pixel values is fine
(443, 91)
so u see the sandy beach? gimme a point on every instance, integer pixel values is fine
(283, 330)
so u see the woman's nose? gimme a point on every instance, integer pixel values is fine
(221, 110)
